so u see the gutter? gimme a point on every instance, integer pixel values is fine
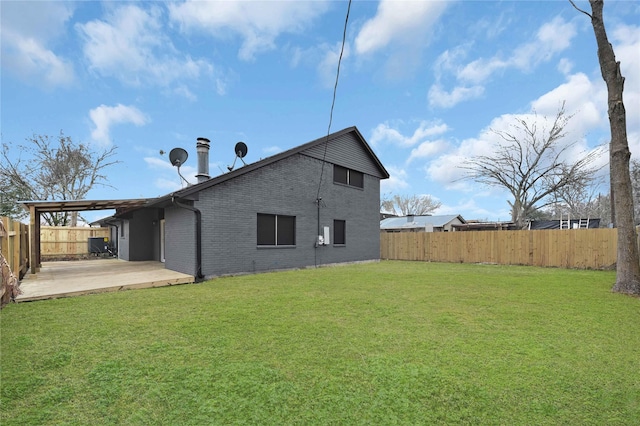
(199, 276)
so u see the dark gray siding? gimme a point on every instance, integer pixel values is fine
(346, 151)
(288, 187)
(180, 240)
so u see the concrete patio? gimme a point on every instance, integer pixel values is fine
(75, 278)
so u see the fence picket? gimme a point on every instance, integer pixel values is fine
(574, 248)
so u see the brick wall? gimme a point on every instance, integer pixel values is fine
(288, 187)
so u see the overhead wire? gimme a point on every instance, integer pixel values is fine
(333, 101)
(326, 142)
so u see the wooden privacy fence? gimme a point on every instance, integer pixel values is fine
(573, 248)
(14, 246)
(64, 242)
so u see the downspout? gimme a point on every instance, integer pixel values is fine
(176, 203)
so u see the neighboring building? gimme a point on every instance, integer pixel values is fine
(414, 223)
(476, 225)
(473, 225)
(314, 204)
(564, 224)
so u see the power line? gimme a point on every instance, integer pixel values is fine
(326, 142)
(333, 101)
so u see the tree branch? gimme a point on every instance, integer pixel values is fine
(580, 10)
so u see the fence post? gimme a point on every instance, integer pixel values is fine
(4, 236)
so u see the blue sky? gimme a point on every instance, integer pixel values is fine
(423, 81)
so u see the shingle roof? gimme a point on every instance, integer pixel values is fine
(186, 192)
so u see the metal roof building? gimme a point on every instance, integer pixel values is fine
(414, 223)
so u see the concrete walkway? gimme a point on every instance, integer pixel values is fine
(75, 278)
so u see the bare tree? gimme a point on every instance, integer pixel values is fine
(52, 168)
(628, 258)
(532, 164)
(402, 205)
(580, 200)
(8, 196)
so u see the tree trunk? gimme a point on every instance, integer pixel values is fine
(628, 263)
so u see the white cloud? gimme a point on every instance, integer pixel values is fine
(626, 44)
(103, 117)
(384, 133)
(158, 163)
(130, 45)
(26, 32)
(328, 66)
(397, 21)
(323, 57)
(428, 149)
(552, 37)
(438, 97)
(168, 185)
(448, 170)
(184, 91)
(257, 23)
(449, 60)
(480, 70)
(168, 179)
(397, 180)
(565, 66)
(583, 98)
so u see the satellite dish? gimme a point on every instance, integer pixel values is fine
(241, 149)
(178, 156)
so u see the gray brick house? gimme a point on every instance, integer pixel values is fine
(315, 204)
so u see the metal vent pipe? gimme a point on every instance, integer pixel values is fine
(202, 147)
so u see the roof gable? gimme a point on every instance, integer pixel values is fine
(363, 159)
(349, 150)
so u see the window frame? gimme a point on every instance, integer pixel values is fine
(343, 233)
(352, 178)
(287, 231)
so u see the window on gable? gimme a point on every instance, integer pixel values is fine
(339, 232)
(276, 230)
(347, 176)
(356, 179)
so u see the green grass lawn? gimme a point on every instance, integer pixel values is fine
(385, 343)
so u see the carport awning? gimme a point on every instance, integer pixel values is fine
(36, 208)
(82, 205)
